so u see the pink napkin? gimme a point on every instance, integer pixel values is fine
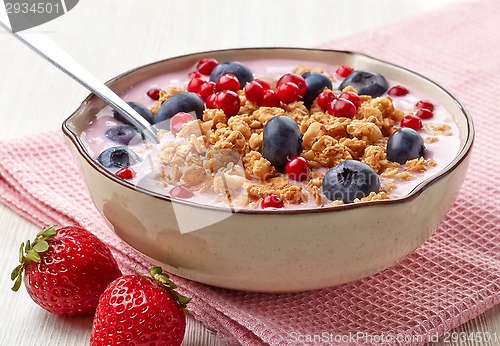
(452, 278)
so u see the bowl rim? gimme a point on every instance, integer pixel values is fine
(420, 188)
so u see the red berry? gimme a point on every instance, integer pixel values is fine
(206, 89)
(195, 84)
(272, 201)
(154, 93)
(140, 310)
(211, 102)
(412, 122)
(398, 90)
(228, 81)
(270, 99)
(425, 105)
(342, 108)
(424, 113)
(125, 173)
(66, 270)
(325, 99)
(288, 92)
(181, 192)
(254, 91)
(229, 102)
(194, 74)
(297, 168)
(265, 85)
(205, 66)
(351, 96)
(295, 79)
(177, 120)
(344, 71)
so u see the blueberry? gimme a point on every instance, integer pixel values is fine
(349, 180)
(123, 134)
(282, 140)
(117, 157)
(366, 83)
(143, 111)
(315, 83)
(405, 144)
(186, 102)
(236, 68)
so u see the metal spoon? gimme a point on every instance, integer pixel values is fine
(41, 44)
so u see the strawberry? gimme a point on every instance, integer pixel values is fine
(65, 270)
(140, 310)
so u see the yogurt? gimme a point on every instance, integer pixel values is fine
(440, 134)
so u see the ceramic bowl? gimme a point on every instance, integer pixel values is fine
(268, 250)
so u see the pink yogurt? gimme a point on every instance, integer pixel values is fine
(149, 169)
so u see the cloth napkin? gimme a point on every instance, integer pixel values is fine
(451, 278)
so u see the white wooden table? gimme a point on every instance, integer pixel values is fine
(109, 37)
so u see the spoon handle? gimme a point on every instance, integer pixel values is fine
(46, 48)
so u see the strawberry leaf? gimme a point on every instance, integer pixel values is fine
(21, 253)
(163, 281)
(154, 271)
(182, 300)
(47, 233)
(41, 246)
(32, 255)
(17, 283)
(16, 272)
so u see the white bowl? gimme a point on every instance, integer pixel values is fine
(268, 250)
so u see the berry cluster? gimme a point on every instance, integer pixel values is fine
(424, 110)
(220, 94)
